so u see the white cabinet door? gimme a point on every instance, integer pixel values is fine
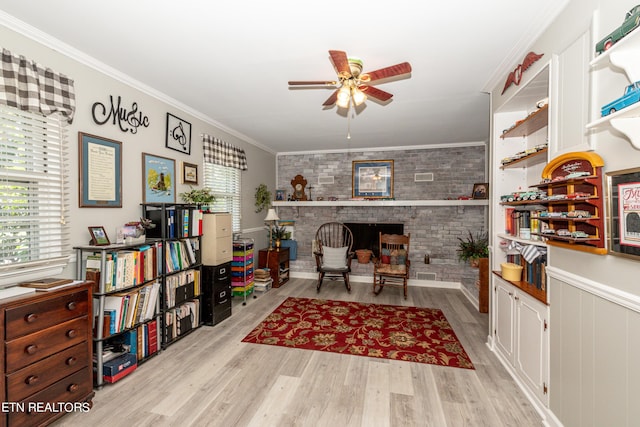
(532, 340)
(504, 317)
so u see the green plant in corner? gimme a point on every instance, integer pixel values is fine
(263, 198)
(473, 247)
(198, 196)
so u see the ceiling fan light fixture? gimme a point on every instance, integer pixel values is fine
(358, 96)
(344, 96)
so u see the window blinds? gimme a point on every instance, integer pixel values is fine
(224, 182)
(33, 190)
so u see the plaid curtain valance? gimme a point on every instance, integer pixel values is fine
(29, 86)
(223, 154)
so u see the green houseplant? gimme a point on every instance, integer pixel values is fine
(473, 247)
(263, 198)
(198, 196)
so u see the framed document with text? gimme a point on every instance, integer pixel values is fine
(100, 161)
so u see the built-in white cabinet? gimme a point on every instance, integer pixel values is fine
(521, 337)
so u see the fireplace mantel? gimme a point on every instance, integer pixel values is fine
(323, 203)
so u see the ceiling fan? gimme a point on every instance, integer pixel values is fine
(353, 85)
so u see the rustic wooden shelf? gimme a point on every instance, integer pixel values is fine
(529, 125)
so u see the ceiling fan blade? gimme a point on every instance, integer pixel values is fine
(341, 62)
(383, 73)
(312, 82)
(374, 92)
(332, 99)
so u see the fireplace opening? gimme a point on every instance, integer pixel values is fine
(365, 235)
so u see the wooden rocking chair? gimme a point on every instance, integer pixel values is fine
(392, 266)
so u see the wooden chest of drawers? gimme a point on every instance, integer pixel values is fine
(47, 364)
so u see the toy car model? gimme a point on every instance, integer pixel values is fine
(547, 214)
(631, 22)
(576, 175)
(548, 231)
(631, 96)
(579, 234)
(557, 197)
(530, 195)
(577, 195)
(579, 214)
(510, 197)
(563, 232)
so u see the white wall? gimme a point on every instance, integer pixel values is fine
(594, 299)
(93, 86)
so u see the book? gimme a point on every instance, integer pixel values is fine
(46, 283)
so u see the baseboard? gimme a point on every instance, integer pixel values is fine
(368, 279)
(472, 298)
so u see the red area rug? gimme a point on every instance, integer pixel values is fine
(384, 331)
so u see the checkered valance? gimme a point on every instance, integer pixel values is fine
(29, 86)
(222, 153)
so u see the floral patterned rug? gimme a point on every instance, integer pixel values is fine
(413, 334)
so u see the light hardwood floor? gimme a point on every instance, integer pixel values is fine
(211, 378)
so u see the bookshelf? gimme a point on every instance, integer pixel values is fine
(178, 227)
(125, 301)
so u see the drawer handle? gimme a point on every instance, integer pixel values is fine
(72, 388)
(222, 302)
(31, 349)
(31, 379)
(30, 318)
(71, 305)
(71, 361)
(72, 333)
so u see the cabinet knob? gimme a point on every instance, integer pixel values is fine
(72, 388)
(71, 305)
(71, 361)
(30, 318)
(72, 333)
(31, 349)
(31, 379)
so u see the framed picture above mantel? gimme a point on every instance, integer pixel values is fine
(372, 179)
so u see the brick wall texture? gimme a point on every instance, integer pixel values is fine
(434, 229)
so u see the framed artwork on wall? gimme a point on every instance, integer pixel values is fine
(480, 191)
(158, 179)
(178, 134)
(100, 162)
(189, 173)
(624, 212)
(372, 179)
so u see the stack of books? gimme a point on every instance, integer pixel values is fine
(262, 280)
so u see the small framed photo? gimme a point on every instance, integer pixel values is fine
(178, 134)
(98, 236)
(189, 173)
(480, 191)
(372, 179)
(280, 195)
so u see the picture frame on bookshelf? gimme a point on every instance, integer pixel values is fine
(100, 163)
(98, 236)
(158, 179)
(372, 179)
(178, 134)
(623, 189)
(189, 173)
(480, 191)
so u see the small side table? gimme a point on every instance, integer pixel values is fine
(277, 261)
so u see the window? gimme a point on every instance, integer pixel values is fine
(225, 183)
(33, 191)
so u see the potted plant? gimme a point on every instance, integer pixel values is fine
(279, 233)
(198, 196)
(263, 198)
(473, 247)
